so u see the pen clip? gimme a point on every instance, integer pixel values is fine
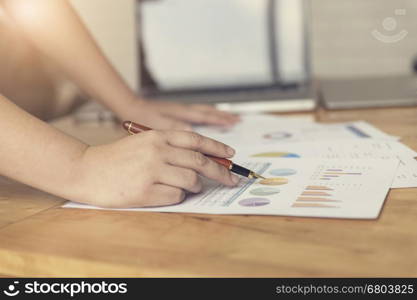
(129, 129)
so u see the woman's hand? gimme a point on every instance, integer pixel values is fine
(154, 168)
(170, 115)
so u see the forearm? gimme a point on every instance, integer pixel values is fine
(57, 31)
(35, 153)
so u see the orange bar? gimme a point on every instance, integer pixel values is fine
(314, 193)
(317, 199)
(318, 188)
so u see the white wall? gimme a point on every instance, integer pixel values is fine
(112, 23)
(342, 44)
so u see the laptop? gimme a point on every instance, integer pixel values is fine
(240, 55)
(399, 90)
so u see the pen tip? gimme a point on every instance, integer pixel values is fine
(255, 175)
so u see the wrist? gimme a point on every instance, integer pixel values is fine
(90, 169)
(77, 186)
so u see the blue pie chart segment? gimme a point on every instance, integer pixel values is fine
(283, 172)
(292, 155)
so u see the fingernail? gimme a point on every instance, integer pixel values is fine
(235, 179)
(230, 151)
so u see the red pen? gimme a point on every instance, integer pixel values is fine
(134, 128)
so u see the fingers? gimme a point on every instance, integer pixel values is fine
(197, 142)
(202, 114)
(203, 165)
(230, 117)
(179, 158)
(178, 177)
(162, 195)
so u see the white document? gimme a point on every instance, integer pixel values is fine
(267, 130)
(363, 149)
(260, 133)
(336, 188)
(406, 176)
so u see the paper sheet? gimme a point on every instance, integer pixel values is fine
(406, 174)
(310, 188)
(267, 130)
(260, 133)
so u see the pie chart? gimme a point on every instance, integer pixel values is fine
(274, 181)
(264, 191)
(283, 172)
(253, 202)
(276, 154)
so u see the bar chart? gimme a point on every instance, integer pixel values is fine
(316, 196)
(330, 174)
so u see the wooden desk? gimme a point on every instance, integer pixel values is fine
(38, 238)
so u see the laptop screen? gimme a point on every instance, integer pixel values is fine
(221, 44)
